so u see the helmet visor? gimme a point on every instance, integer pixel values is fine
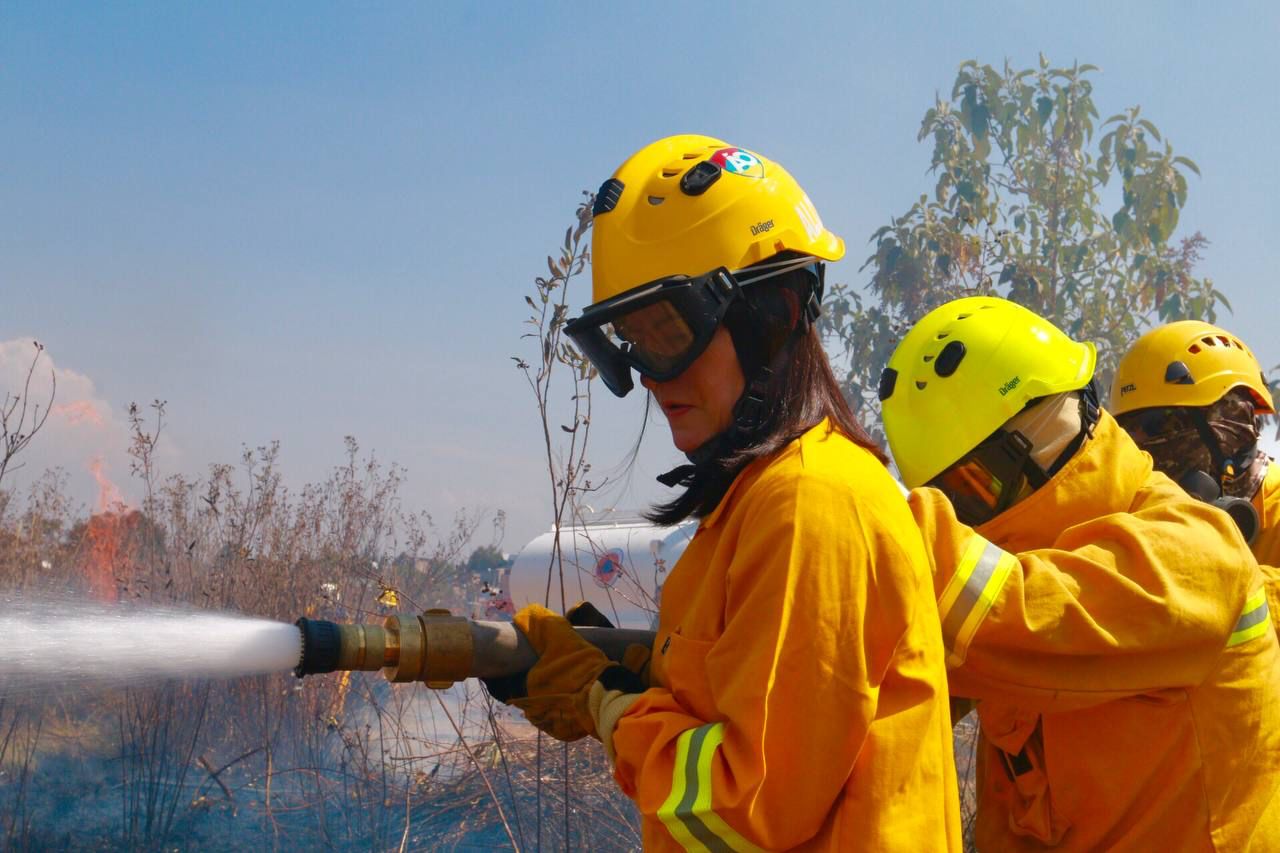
(988, 479)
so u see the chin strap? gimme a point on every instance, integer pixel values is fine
(1020, 449)
(748, 415)
(751, 410)
(1090, 413)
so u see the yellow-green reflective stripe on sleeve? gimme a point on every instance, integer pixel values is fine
(1254, 622)
(969, 594)
(687, 813)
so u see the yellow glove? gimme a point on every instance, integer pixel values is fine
(606, 706)
(556, 695)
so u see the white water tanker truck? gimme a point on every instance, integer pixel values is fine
(617, 561)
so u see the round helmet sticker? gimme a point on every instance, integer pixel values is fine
(739, 161)
(608, 567)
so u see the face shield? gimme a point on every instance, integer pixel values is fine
(660, 328)
(988, 479)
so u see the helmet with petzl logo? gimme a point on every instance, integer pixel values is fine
(1187, 363)
(1189, 393)
(958, 376)
(679, 229)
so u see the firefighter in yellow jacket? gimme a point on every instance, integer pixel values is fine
(1191, 394)
(1113, 629)
(797, 690)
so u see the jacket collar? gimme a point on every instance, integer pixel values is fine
(753, 471)
(1103, 477)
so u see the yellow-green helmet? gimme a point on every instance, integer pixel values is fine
(964, 370)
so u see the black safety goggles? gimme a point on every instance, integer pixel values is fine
(660, 328)
(990, 478)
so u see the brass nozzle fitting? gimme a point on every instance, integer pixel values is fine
(435, 647)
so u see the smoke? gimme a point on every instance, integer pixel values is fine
(81, 411)
(109, 495)
(83, 435)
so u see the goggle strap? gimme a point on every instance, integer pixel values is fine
(760, 272)
(813, 308)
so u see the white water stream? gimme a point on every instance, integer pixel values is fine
(51, 643)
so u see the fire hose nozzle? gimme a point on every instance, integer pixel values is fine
(434, 647)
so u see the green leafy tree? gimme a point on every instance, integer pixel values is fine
(1027, 205)
(486, 557)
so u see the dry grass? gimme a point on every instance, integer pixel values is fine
(325, 762)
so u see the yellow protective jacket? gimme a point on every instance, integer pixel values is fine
(1267, 546)
(1114, 631)
(801, 699)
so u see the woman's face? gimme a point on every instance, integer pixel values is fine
(699, 402)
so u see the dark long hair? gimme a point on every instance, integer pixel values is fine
(800, 393)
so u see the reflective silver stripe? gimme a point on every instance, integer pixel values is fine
(684, 809)
(688, 813)
(1254, 622)
(970, 594)
(1253, 617)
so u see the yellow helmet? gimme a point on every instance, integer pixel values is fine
(687, 205)
(1187, 363)
(964, 370)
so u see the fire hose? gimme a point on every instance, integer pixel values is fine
(436, 647)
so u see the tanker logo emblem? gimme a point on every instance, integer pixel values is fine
(739, 161)
(608, 567)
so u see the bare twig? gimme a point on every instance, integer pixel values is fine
(16, 429)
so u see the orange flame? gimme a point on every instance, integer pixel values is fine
(114, 546)
(104, 536)
(107, 535)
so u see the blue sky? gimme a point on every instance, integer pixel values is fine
(298, 221)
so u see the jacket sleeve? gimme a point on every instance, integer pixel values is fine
(794, 677)
(1271, 583)
(1126, 604)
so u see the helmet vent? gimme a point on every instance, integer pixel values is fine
(888, 379)
(920, 385)
(656, 200)
(697, 180)
(670, 172)
(694, 156)
(1178, 373)
(928, 358)
(964, 316)
(607, 197)
(942, 336)
(949, 359)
